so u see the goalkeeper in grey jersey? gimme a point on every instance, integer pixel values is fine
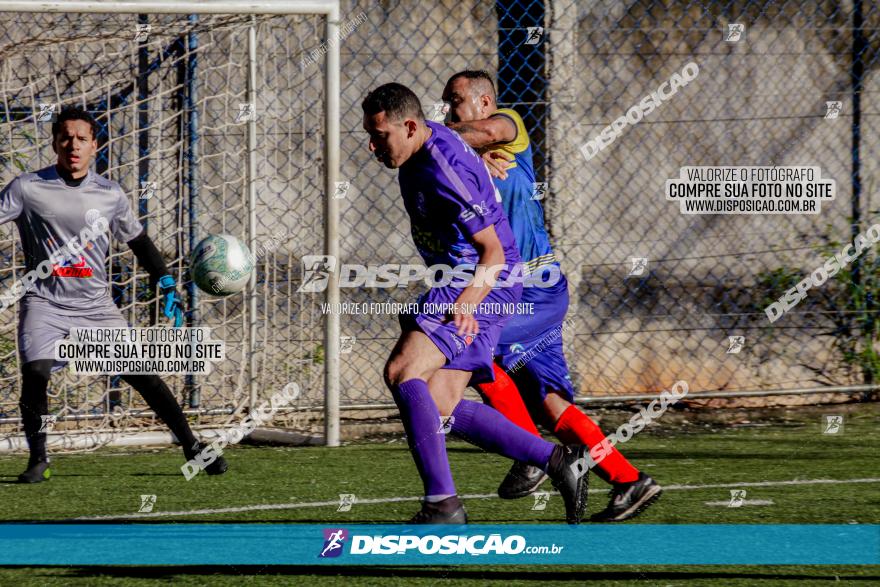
(63, 213)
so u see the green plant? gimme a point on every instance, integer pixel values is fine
(849, 300)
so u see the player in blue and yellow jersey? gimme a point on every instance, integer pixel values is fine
(456, 220)
(529, 361)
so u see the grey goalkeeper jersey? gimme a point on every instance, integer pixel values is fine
(56, 223)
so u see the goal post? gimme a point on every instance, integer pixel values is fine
(330, 10)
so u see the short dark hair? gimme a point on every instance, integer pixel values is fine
(396, 100)
(472, 75)
(74, 113)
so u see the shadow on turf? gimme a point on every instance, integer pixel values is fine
(458, 573)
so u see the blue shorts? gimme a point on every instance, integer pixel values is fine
(468, 353)
(530, 346)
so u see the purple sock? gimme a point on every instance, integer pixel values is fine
(427, 443)
(485, 427)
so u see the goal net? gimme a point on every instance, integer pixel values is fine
(170, 93)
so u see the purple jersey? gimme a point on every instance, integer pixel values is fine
(449, 196)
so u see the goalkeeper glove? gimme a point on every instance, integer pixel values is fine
(171, 303)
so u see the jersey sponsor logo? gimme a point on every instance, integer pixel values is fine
(68, 268)
(481, 209)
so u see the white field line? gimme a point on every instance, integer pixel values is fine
(317, 504)
(743, 503)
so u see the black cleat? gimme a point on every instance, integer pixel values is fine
(629, 500)
(448, 511)
(522, 480)
(569, 477)
(37, 472)
(218, 467)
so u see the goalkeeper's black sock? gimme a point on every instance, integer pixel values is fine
(33, 405)
(161, 400)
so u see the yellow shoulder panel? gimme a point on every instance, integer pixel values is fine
(521, 142)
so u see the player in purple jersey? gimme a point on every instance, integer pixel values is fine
(53, 208)
(456, 219)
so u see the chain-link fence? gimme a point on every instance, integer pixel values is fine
(760, 99)
(169, 106)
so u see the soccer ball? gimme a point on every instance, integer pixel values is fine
(221, 265)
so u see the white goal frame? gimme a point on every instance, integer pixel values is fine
(331, 11)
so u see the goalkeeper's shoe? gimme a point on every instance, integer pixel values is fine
(522, 479)
(629, 499)
(37, 471)
(569, 473)
(218, 467)
(448, 511)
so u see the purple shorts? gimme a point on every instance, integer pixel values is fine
(468, 353)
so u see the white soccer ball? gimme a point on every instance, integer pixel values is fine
(221, 265)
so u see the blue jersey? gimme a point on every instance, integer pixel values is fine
(449, 196)
(525, 213)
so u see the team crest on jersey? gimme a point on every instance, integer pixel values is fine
(462, 342)
(69, 268)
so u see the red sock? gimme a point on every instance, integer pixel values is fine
(575, 427)
(503, 395)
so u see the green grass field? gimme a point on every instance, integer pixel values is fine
(776, 462)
